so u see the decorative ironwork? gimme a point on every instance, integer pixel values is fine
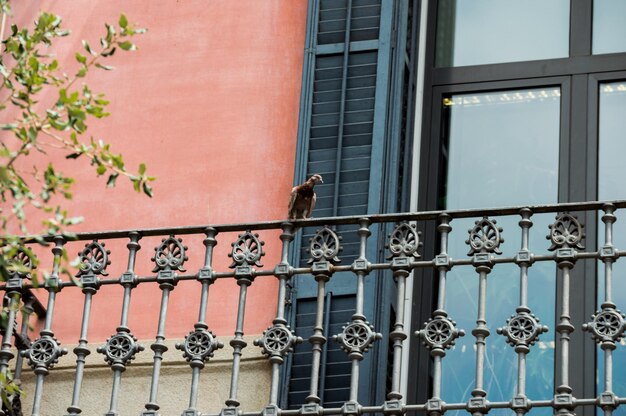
(22, 263)
(199, 345)
(325, 245)
(44, 352)
(566, 231)
(170, 254)
(247, 250)
(120, 348)
(94, 259)
(485, 237)
(357, 337)
(439, 333)
(404, 241)
(522, 329)
(607, 325)
(277, 340)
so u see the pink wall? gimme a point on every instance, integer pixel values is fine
(210, 103)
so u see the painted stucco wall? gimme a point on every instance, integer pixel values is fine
(210, 103)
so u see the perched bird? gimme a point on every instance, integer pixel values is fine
(303, 199)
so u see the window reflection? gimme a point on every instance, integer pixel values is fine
(609, 26)
(472, 32)
(501, 149)
(611, 174)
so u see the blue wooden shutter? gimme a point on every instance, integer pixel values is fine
(349, 132)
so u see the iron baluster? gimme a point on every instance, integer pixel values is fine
(94, 260)
(439, 333)
(358, 335)
(403, 244)
(27, 311)
(608, 324)
(19, 269)
(484, 240)
(121, 348)
(45, 351)
(522, 330)
(323, 247)
(246, 253)
(566, 235)
(278, 340)
(200, 343)
(169, 257)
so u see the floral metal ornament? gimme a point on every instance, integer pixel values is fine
(522, 329)
(22, 263)
(404, 241)
(325, 245)
(247, 250)
(44, 353)
(94, 259)
(606, 326)
(277, 341)
(120, 348)
(357, 337)
(485, 237)
(170, 255)
(439, 333)
(199, 345)
(566, 232)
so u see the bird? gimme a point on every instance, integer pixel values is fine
(303, 198)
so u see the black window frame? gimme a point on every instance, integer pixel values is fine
(579, 76)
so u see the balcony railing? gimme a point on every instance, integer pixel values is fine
(405, 254)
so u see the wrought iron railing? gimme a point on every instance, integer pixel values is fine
(438, 334)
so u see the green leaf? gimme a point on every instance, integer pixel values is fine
(73, 156)
(88, 48)
(81, 58)
(142, 169)
(128, 46)
(105, 67)
(147, 189)
(101, 169)
(123, 22)
(112, 179)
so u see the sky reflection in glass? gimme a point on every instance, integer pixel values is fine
(473, 32)
(502, 150)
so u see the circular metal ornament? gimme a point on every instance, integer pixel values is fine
(170, 254)
(522, 329)
(44, 352)
(199, 345)
(485, 237)
(247, 250)
(357, 337)
(439, 333)
(277, 340)
(22, 263)
(325, 246)
(566, 231)
(94, 259)
(606, 326)
(404, 241)
(120, 348)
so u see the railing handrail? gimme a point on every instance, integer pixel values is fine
(348, 219)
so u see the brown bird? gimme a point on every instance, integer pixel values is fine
(303, 199)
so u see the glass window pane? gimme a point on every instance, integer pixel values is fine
(473, 32)
(611, 174)
(609, 26)
(502, 149)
